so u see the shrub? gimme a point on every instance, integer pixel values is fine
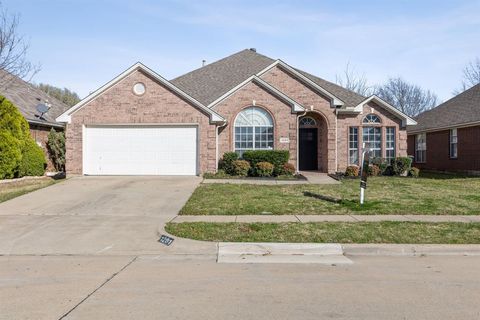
(288, 169)
(241, 167)
(276, 157)
(226, 163)
(264, 169)
(414, 172)
(11, 120)
(56, 149)
(374, 170)
(401, 165)
(381, 163)
(10, 155)
(352, 171)
(33, 160)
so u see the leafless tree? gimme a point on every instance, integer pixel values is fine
(408, 98)
(471, 75)
(355, 82)
(13, 50)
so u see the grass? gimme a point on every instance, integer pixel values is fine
(331, 232)
(432, 194)
(15, 189)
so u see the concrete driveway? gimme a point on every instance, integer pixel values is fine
(97, 215)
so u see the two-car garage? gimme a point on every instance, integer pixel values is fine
(140, 150)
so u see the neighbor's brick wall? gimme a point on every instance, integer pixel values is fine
(119, 105)
(388, 120)
(284, 120)
(319, 104)
(40, 135)
(438, 154)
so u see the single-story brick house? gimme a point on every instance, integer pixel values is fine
(26, 98)
(140, 123)
(447, 138)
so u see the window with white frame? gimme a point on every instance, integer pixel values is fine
(253, 130)
(353, 145)
(421, 148)
(371, 119)
(307, 121)
(372, 137)
(390, 144)
(453, 144)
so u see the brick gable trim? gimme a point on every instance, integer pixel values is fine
(66, 116)
(296, 107)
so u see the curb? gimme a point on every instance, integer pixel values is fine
(411, 250)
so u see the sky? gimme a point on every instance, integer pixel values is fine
(83, 44)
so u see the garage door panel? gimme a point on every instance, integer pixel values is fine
(140, 150)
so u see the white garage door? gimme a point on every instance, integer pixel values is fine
(140, 150)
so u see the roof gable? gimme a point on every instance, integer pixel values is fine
(26, 97)
(296, 107)
(66, 116)
(463, 109)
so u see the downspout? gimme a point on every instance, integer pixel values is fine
(298, 139)
(216, 143)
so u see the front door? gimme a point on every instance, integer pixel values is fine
(308, 149)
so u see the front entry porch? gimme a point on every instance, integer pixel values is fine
(313, 151)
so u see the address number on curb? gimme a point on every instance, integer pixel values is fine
(166, 240)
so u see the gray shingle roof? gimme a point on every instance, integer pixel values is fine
(26, 97)
(208, 83)
(461, 109)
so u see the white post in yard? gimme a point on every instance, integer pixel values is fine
(364, 172)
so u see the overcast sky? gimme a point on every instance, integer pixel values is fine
(83, 44)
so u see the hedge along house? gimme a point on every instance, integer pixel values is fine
(27, 98)
(447, 138)
(140, 123)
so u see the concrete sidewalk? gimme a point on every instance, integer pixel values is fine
(327, 218)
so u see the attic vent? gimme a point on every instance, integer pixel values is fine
(253, 49)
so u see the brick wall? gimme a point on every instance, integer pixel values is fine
(438, 146)
(310, 99)
(387, 120)
(283, 118)
(119, 105)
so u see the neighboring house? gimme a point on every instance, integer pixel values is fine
(447, 138)
(139, 123)
(26, 98)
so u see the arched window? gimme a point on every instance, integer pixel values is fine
(307, 121)
(371, 119)
(253, 130)
(372, 134)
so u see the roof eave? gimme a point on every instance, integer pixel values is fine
(406, 120)
(335, 101)
(66, 116)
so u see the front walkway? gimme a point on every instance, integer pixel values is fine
(327, 218)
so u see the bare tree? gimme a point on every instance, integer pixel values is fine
(355, 82)
(408, 98)
(13, 50)
(471, 75)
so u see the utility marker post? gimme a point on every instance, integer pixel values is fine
(364, 171)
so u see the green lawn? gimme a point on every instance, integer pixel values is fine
(14, 189)
(328, 232)
(436, 194)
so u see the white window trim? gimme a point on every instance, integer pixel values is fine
(394, 148)
(424, 160)
(451, 143)
(353, 149)
(253, 131)
(373, 149)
